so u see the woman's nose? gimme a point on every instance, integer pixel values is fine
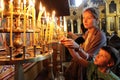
(85, 20)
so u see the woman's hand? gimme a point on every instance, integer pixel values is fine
(72, 35)
(69, 43)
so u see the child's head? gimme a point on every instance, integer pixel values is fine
(107, 56)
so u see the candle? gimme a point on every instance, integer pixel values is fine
(24, 43)
(40, 12)
(1, 8)
(39, 16)
(52, 26)
(42, 26)
(51, 31)
(11, 22)
(45, 13)
(33, 20)
(29, 7)
(47, 28)
(1, 11)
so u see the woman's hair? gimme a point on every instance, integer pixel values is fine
(115, 55)
(93, 10)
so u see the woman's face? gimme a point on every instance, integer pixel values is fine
(88, 20)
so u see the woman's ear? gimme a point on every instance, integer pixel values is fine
(98, 21)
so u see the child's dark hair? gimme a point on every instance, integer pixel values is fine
(113, 52)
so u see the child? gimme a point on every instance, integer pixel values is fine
(106, 58)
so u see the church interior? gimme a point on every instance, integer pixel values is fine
(30, 32)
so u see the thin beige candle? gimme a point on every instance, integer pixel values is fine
(2, 8)
(52, 26)
(42, 25)
(24, 43)
(11, 22)
(34, 17)
(40, 12)
(51, 31)
(39, 16)
(46, 31)
(2, 14)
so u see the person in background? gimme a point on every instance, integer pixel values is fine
(114, 40)
(94, 40)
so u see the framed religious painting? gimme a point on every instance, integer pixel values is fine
(69, 26)
(103, 24)
(112, 7)
(75, 28)
(112, 23)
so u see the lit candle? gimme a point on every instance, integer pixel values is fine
(1, 11)
(45, 13)
(42, 30)
(29, 7)
(42, 26)
(39, 16)
(1, 8)
(52, 26)
(24, 43)
(34, 19)
(40, 12)
(51, 31)
(47, 28)
(11, 22)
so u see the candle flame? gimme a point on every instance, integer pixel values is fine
(31, 3)
(11, 0)
(53, 13)
(48, 14)
(43, 8)
(40, 6)
(24, 1)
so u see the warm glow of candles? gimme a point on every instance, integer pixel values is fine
(24, 27)
(11, 22)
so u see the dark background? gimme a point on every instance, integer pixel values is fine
(60, 6)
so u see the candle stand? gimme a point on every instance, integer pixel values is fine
(25, 41)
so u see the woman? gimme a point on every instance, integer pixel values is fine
(94, 40)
